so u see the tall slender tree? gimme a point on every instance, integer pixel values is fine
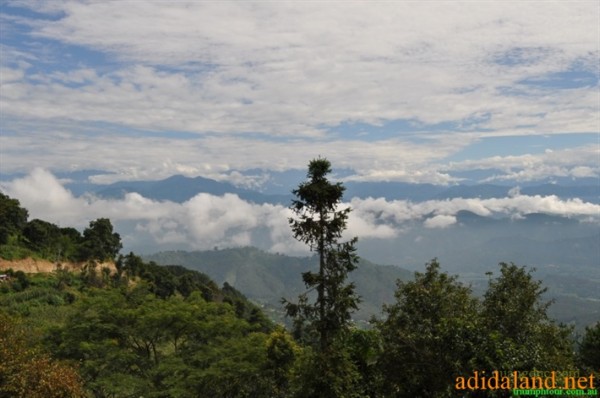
(319, 223)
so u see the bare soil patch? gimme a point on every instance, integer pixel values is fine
(34, 266)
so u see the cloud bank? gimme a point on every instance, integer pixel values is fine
(206, 221)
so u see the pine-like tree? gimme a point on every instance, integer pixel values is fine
(319, 223)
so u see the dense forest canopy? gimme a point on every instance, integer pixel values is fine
(20, 237)
(142, 329)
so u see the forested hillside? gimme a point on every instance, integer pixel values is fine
(142, 329)
(267, 277)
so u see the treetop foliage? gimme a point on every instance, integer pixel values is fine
(20, 238)
(12, 217)
(320, 224)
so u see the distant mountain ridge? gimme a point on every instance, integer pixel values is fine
(179, 189)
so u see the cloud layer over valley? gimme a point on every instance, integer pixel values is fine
(206, 220)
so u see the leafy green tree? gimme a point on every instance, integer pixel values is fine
(365, 348)
(69, 242)
(100, 242)
(319, 223)
(98, 335)
(130, 341)
(518, 332)
(282, 352)
(43, 237)
(589, 349)
(129, 265)
(429, 335)
(64, 278)
(13, 218)
(245, 309)
(326, 374)
(229, 366)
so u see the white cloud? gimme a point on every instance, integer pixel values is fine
(396, 212)
(577, 162)
(288, 71)
(41, 192)
(206, 221)
(151, 158)
(440, 221)
(583, 171)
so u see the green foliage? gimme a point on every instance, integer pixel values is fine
(519, 334)
(43, 237)
(589, 348)
(429, 336)
(319, 224)
(282, 352)
(266, 277)
(132, 342)
(436, 330)
(245, 309)
(14, 249)
(99, 241)
(17, 281)
(12, 218)
(365, 348)
(165, 332)
(68, 244)
(230, 367)
(331, 373)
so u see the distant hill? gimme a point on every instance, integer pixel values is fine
(179, 188)
(393, 190)
(267, 277)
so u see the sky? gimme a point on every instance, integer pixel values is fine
(406, 91)
(394, 91)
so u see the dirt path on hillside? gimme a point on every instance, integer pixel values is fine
(33, 266)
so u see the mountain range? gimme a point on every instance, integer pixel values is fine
(266, 278)
(276, 187)
(179, 188)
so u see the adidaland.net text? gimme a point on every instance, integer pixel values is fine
(526, 380)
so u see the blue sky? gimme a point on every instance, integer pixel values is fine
(392, 91)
